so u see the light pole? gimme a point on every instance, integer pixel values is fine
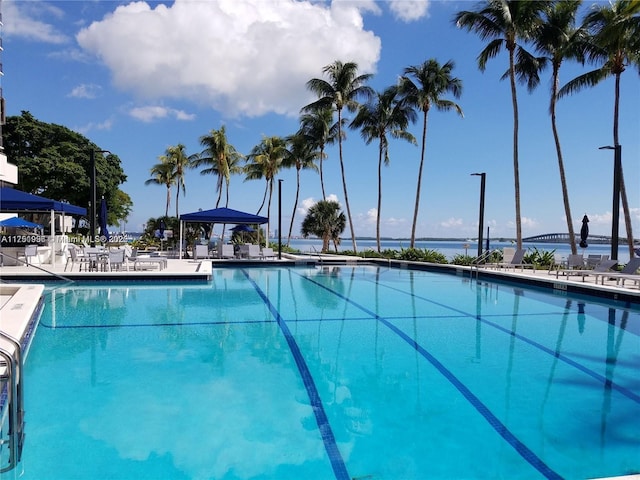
(280, 219)
(617, 174)
(483, 177)
(92, 220)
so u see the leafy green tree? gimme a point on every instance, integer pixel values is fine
(615, 31)
(343, 90)
(505, 23)
(300, 155)
(162, 174)
(220, 158)
(54, 161)
(265, 161)
(559, 39)
(384, 115)
(422, 87)
(325, 221)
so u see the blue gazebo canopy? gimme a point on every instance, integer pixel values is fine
(223, 215)
(12, 200)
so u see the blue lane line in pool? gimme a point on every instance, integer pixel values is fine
(524, 451)
(330, 445)
(563, 358)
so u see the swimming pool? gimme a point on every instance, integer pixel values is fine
(336, 372)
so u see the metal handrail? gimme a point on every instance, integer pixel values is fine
(481, 260)
(15, 401)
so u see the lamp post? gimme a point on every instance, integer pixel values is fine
(280, 219)
(483, 177)
(92, 220)
(617, 174)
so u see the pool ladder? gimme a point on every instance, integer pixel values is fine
(11, 402)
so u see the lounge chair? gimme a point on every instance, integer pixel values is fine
(516, 261)
(627, 273)
(227, 251)
(267, 252)
(254, 251)
(574, 263)
(601, 268)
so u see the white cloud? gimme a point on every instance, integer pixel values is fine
(409, 10)
(372, 215)
(106, 125)
(154, 112)
(85, 91)
(242, 57)
(451, 223)
(24, 22)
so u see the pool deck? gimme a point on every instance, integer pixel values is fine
(188, 269)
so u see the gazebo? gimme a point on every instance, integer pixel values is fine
(220, 215)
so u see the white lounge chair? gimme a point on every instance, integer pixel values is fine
(267, 252)
(201, 251)
(227, 251)
(627, 273)
(254, 251)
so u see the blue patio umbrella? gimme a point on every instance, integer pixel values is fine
(17, 222)
(104, 232)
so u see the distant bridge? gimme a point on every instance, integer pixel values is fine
(564, 238)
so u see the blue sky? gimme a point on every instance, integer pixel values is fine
(137, 77)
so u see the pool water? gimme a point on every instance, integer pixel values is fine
(335, 372)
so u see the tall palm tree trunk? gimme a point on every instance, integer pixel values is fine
(516, 168)
(166, 209)
(417, 206)
(563, 178)
(324, 196)
(295, 205)
(379, 196)
(623, 190)
(344, 183)
(177, 197)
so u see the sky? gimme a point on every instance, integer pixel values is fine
(138, 77)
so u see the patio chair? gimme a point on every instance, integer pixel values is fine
(116, 260)
(30, 251)
(593, 260)
(75, 256)
(201, 251)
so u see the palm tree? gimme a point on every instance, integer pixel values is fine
(505, 23)
(326, 221)
(300, 155)
(432, 80)
(162, 174)
(177, 157)
(265, 161)
(320, 130)
(220, 158)
(343, 90)
(386, 114)
(615, 31)
(559, 39)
